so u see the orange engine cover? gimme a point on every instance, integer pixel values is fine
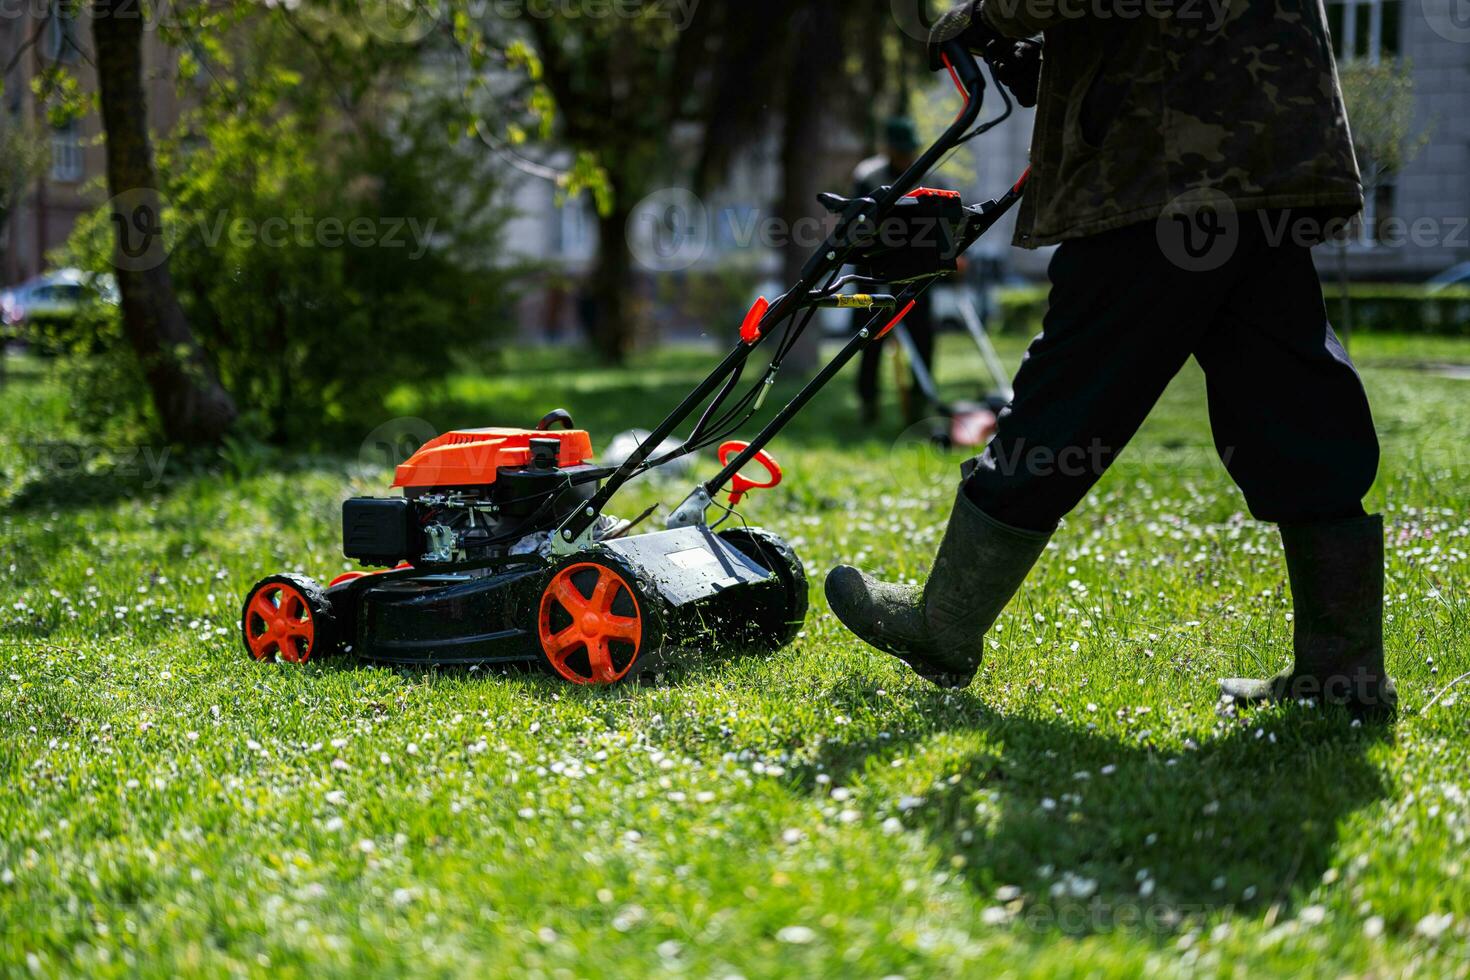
(471, 457)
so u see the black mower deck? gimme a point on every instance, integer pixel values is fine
(697, 579)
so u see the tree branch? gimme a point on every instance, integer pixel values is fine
(30, 42)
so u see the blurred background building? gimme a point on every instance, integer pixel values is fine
(1426, 204)
(72, 178)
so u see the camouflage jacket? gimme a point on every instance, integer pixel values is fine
(1147, 102)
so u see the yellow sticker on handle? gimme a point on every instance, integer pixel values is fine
(856, 301)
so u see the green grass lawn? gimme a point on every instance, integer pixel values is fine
(1085, 808)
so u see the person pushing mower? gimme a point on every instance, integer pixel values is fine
(1184, 167)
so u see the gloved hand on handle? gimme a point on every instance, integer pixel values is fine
(1016, 63)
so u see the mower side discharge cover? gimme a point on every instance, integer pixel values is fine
(702, 584)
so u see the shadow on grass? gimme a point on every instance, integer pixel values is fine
(1097, 832)
(81, 475)
(1101, 833)
(79, 491)
(681, 668)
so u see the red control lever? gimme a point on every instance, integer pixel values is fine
(740, 485)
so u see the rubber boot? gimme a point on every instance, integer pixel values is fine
(938, 629)
(1336, 574)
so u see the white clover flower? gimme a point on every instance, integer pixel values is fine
(1313, 915)
(796, 935)
(1433, 926)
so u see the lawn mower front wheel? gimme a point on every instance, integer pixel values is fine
(596, 624)
(288, 618)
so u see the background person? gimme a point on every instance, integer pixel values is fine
(900, 148)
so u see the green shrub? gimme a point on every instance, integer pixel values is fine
(318, 270)
(107, 392)
(1404, 308)
(1377, 307)
(717, 298)
(331, 232)
(54, 334)
(1019, 309)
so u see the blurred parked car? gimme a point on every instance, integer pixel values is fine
(44, 311)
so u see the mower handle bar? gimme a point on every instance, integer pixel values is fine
(966, 69)
(828, 259)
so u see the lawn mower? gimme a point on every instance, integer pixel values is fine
(499, 549)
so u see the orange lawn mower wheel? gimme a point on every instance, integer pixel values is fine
(288, 618)
(594, 623)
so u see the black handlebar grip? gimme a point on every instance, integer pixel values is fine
(966, 66)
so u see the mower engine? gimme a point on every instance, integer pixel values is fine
(471, 495)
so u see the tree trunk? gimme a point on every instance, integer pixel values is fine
(802, 155)
(192, 406)
(612, 283)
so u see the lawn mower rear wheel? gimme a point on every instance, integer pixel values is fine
(775, 625)
(288, 618)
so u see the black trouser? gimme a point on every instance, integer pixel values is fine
(920, 324)
(1290, 418)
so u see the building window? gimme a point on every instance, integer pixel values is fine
(66, 153)
(1377, 211)
(573, 231)
(61, 33)
(1367, 29)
